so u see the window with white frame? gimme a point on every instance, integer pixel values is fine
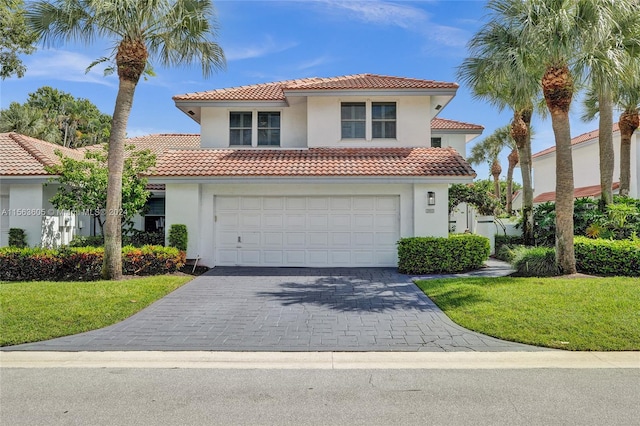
(353, 120)
(383, 120)
(240, 128)
(268, 129)
(436, 142)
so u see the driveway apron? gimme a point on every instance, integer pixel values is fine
(287, 309)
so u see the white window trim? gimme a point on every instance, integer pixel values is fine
(254, 128)
(368, 127)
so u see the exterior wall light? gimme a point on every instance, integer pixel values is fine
(431, 198)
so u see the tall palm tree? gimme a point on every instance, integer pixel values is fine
(173, 32)
(562, 36)
(488, 151)
(28, 121)
(628, 123)
(498, 70)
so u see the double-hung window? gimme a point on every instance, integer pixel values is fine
(240, 128)
(268, 129)
(383, 120)
(353, 120)
(249, 129)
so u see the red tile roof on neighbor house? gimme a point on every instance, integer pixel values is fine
(276, 91)
(577, 140)
(584, 191)
(446, 124)
(418, 162)
(25, 156)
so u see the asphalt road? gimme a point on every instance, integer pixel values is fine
(134, 396)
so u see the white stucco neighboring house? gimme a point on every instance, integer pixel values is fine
(309, 172)
(586, 169)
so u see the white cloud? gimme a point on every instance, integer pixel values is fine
(266, 47)
(312, 63)
(65, 65)
(381, 12)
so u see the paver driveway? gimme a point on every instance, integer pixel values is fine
(287, 309)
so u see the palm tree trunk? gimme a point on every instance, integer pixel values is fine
(557, 87)
(520, 131)
(629, 122)
(112, 264)
(605, 143)
(513, 161)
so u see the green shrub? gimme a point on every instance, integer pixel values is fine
(535, 262)
(17, 238)
(607, 257)
(87, 241)
(83, 263)
(427, 255)
(178, 236)
(138, 238)
(509, 252)
(508, 239)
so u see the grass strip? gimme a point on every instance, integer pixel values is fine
(42, 310)
(586, 314)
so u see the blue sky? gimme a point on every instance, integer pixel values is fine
(268, 41)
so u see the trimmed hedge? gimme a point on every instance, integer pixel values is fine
(607, 257)
(17, 238)
(84, 263)
(508, 240)
(178, 236)
(428, 255)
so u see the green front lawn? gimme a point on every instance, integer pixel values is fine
(591, 314)
(41, 310)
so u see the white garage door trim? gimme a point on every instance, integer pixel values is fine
(307, 230)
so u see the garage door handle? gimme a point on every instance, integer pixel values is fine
(239, 239)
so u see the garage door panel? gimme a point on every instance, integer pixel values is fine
(307, 231)
(271, 239)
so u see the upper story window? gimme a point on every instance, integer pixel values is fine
(354, 118)
(436, 142)
(248, 129)
(269, 128)
(240, 126)
(383, 120)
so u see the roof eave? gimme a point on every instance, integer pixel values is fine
(312, 179)
(370, 92)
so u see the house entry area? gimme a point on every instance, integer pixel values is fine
(301, 231)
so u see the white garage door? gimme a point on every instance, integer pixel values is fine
(307, 231)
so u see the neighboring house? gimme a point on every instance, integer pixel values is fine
(311, 172)
(586, 168)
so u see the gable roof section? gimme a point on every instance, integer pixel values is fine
(584, 191)
(25, 156)
(347, 162)
(276, 91)
(159, 143)
(585, 137)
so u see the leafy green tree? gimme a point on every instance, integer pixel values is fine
(15, 38)
(56, 116)
(488, 186)
(174, 32)
(83, 183)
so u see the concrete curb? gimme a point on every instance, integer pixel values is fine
(322, 360)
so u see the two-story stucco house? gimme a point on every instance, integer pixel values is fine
(310, 172)
(586, 169)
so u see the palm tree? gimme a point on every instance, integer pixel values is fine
(174, 32)
(561, 36)
(499, 70)
(488, 150)
(628, 123)
(28, 121)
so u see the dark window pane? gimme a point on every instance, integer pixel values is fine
(390, 129)
(376, 129)
(234, 120)
(436, 142)
(246, 119)
(234, 137)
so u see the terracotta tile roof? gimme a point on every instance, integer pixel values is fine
(25, 156)
(584, 191)
(276, 91)
(158, 143)
(577, 140)
(314, 162)
(446, 124)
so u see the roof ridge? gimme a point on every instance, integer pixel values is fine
(29, 146)
(576, 140)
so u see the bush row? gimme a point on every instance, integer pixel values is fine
(593, 256)
(427, 255)
(133, 238)
(607, 257)
(84, 263)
